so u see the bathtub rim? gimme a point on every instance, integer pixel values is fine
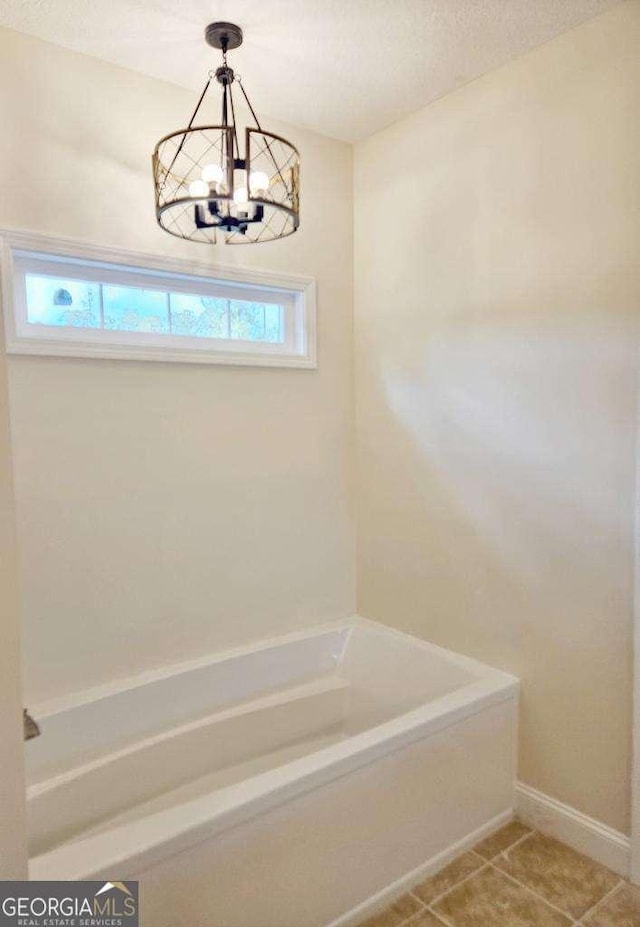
(60, 704)
(141, 843)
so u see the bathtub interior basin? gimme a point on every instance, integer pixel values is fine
(214, 736)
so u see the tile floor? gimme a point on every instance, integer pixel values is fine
(517, 878)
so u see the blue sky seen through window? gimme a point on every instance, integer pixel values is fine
(82, 304)
(129, 309)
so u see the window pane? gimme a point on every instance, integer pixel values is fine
(83, 306)
(255, 321)
(199, 316)
(274, 329)
(130, 309)
(58, 301)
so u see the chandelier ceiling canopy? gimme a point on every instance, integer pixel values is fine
(233, 182)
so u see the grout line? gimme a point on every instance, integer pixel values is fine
(458, 883)
(604, 897)
(491, 863)
(403, 923)
(485, 863)
(506, 849)
(533, 892)
(414, 917)
(516, 843)
(407, 921)
(423, 908)
(440, 917)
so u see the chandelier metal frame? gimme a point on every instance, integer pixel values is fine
(208, 188)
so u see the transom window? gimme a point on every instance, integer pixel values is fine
(78, 304)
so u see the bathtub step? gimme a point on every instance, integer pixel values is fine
(212, 783)
(65, 805)
(84, 726)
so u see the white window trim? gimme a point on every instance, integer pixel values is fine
(299, 349)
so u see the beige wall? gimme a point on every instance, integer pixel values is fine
(165, 511)
(497, 255)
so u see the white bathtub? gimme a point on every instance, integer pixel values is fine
(297, 783)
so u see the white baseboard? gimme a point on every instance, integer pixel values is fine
(578, 830)
(405, 883)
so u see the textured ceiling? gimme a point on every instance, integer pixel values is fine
(342, 67)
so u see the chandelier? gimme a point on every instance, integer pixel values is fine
(209, 187)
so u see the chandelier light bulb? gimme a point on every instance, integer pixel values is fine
(241, 199)
(240, 190)
(198, 189)
(212, 173)
(258, 182)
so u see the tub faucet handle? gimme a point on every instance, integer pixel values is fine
(30, 727)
